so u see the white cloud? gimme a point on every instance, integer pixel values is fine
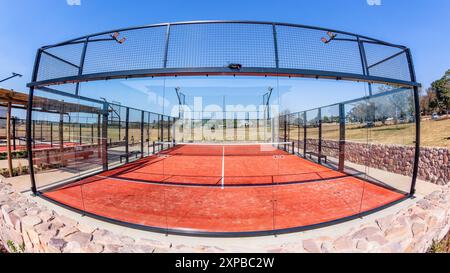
(73, 2)
(374, 2)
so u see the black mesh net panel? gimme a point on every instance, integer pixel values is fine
(395, 68)
(301, 48)
(218, 45)
(143, 49)
(387, 62)
(53, 68)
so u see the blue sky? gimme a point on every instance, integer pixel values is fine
(420, 24)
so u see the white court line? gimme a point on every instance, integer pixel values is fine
(223, 167)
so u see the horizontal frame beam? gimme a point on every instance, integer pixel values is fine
(223, 71)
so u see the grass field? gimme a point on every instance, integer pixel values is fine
(433, 134)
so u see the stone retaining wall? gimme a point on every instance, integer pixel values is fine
(434, 164)
(412, 229)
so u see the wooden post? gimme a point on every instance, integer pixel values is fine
(8, 139)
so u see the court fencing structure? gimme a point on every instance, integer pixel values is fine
(220, 48)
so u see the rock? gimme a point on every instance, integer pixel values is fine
(94, 248)
(83, 239)
(31, 221)
(311, 246)
(44, 228)
(46, 216)
(12, 220)
(385, 223)
(127, 240)
(57, 244)
(66, 231)
(67, 221)
(73, 247)
(377, 238)
(343, 243)
(86, 228)
(112, 248)
(362, 245)
(418, 228)
(326, 247)
(397, 233)
(365, 232)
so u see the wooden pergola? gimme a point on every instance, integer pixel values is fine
(11, 99)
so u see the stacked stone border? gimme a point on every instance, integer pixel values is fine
(434, 163)
(38, 229)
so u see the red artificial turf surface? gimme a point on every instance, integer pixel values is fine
(262, 192)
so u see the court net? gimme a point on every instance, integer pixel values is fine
(225, 149)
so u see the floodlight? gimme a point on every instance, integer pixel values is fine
(325, 40)
(235, 66)
(331, 35)
(115, 37)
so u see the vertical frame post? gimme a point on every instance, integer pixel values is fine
(92, 133)
(51, 134)
(14, 133)
(418, 122)
(365, 65)
(166, 50)
(127, 127)
(81, 133)
(81, 66)
(142, 133)
(104, 136)
(341, 137)
(275, 43)
(29, 123)
(305, 134)
(319, 115)
(34, 134)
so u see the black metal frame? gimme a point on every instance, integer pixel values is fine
(164, 71)
(206, 71)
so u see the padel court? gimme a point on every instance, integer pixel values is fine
(224, 189)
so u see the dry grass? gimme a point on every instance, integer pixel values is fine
(441, 247)
(433, 133)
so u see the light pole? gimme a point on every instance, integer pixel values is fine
(13, 76)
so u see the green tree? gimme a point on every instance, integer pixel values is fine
(442, 89)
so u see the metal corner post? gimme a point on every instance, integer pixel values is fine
(29, 122)
(418, 122)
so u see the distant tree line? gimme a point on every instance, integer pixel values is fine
(437, 98)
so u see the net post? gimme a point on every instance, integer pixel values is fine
(293, 147)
